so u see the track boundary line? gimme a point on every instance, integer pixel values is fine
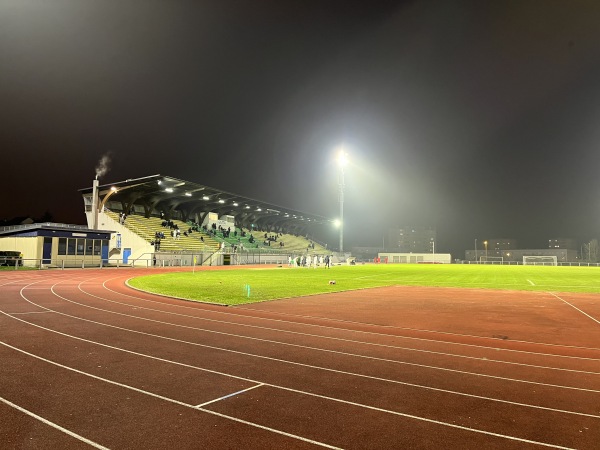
(575, 307)
(288, 362)
(52, 424)
(489, 433)
(161, 397)
(551, 355)
(246, 307)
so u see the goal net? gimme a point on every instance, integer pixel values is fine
(539, 261)
(491, 259)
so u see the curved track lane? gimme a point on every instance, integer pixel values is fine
(88, 362)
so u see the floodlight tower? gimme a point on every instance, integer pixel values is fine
(342, 160)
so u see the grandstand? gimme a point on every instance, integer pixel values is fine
(164, 215)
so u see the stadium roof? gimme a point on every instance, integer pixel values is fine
(193, 201)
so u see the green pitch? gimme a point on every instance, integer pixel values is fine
(248, 285)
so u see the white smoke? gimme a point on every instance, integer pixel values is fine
(103, 165)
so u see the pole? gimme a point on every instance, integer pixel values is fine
(341, 208)
(475, 250)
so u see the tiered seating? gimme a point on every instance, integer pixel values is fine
(147, 228)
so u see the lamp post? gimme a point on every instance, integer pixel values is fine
(342, 160)
(475, 250)
(486, 254)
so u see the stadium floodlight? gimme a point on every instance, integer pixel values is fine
(485, 243)
(342, 160)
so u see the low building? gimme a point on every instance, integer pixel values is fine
(57, 244)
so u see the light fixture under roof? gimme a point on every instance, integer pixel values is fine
(188, 194)
(169, 190)
(221, 201)
(205, 197)
(235, 204)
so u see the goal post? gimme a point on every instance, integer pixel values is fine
(540, 261)
(491, 260)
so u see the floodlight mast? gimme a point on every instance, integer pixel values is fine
(342, 161)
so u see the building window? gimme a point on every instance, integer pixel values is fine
(97, 244)
(62, 246)
(71, 246)
(80, 247)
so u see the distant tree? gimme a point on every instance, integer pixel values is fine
(46, 217)
(593, 250)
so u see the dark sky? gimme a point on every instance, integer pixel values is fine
(479, 118)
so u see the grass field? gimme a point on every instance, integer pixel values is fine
(248, 285)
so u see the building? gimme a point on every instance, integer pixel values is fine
(412, 239)
(56, 244)
(566, 243)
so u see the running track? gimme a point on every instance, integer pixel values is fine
(86, 362)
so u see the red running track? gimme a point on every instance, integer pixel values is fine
(87, 362)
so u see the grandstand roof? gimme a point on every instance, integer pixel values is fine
(169, 194)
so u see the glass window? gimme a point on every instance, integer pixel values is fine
(71, 247)
(89, 246)
(97, 243)
(62, 246)
(80, 247)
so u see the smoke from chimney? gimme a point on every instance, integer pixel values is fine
(103, 165)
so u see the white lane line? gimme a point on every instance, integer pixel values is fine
(288, 362)
(53, 425)
(245, 316)
(340, 352)
(531, 282)
(29, 312)
(408, 349)
(575, 307)
(495, 349)
(293, 362)
(373, 408)
(229, 395)
(161, 397)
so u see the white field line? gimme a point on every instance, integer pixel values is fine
(229, 313)
(550, 355)
(531, 282)
(161, 397)
(372, 408)
(52, 424)
(453, 355)
(296, 364)
(575, 307)
(233, 394)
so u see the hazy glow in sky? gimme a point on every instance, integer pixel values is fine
(478, 118)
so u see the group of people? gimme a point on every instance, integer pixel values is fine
(309, 261)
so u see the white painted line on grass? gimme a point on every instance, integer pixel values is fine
(531, 282)
(52, 424)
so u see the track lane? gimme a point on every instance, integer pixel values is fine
(257, 392)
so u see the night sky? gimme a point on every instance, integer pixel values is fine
(480, 118)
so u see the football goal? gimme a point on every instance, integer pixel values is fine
(491, 260)
(539, 261)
